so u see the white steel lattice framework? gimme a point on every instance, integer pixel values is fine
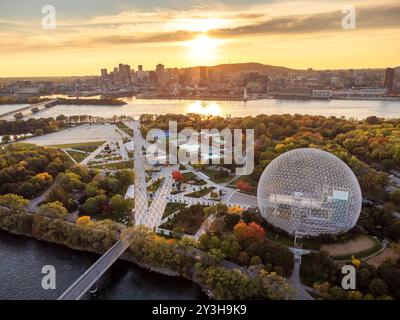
(141, 204)
(309, 192)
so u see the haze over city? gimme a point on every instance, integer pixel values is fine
(295, 34)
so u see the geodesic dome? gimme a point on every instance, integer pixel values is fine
(309, 192)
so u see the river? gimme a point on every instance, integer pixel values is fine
(22, 259)
(359, 109)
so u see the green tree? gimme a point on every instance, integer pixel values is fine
(54, 210)
(5, 139)
(377, 287)
(14, 202)
(119, 204)
(254, 261)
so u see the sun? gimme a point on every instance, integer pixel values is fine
(210, 108)
(203, 49)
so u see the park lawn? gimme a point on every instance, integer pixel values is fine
(155, 185)
(125, 128)
(85, 146)
(190, 176)
(361, 247)
(115, 166)
(172, 208)
(210, 173)
(288, 241)
(176, 192)
(200, 193)
(189, 220)
(78, 156)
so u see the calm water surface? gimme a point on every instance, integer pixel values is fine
(135, 107)
(22, 259)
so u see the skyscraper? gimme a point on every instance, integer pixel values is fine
(389, 78)
(160, 68)
(203, 76)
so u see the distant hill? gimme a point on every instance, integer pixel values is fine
(251, 67)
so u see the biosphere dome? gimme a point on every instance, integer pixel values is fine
(309, 192)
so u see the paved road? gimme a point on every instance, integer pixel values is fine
(141, 203)
(159, 203)
(34, 203)
(93, 274)
(302, 294)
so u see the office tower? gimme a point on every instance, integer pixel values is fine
(389, 78)
(104, 73)
(160, 68)
(203, 76)
(140, 68)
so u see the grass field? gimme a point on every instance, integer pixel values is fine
(116, 166)
(200, 193)
(188, 220)
(189, 176)
(78, 156)
(211, 174)
(86, 146)
(361, 247)
(172, 208)
(124, 128)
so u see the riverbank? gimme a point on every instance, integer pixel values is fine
(9, 100)
(92, 102)
(170, 257)
(125, 257)
(22, 259)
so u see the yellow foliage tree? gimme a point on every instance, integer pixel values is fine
(83, 221)
(235, 210)
(356, 262)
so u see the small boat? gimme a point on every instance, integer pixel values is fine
(93, 290)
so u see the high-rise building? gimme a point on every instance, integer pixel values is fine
(160, 68)
(152, 77)
(121, 69)
(162, 76)
(203, 76)
(104, 73)
(124, 72)
(127, 73)
(389, 78)
(140, 67)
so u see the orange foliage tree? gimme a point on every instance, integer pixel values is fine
(244, 186)
(177, 175)
(252, 230)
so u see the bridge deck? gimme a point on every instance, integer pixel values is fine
(28, 108)
(89, 278)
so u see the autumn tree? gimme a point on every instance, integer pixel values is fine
(252, 230)
(244, 186)
(177, 175)
(53, 210)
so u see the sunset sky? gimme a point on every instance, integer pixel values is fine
(92, 34)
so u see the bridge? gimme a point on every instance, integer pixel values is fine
(141, 215)
(83, 284)
(28, 109)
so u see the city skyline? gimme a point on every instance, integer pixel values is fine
(195, 33)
